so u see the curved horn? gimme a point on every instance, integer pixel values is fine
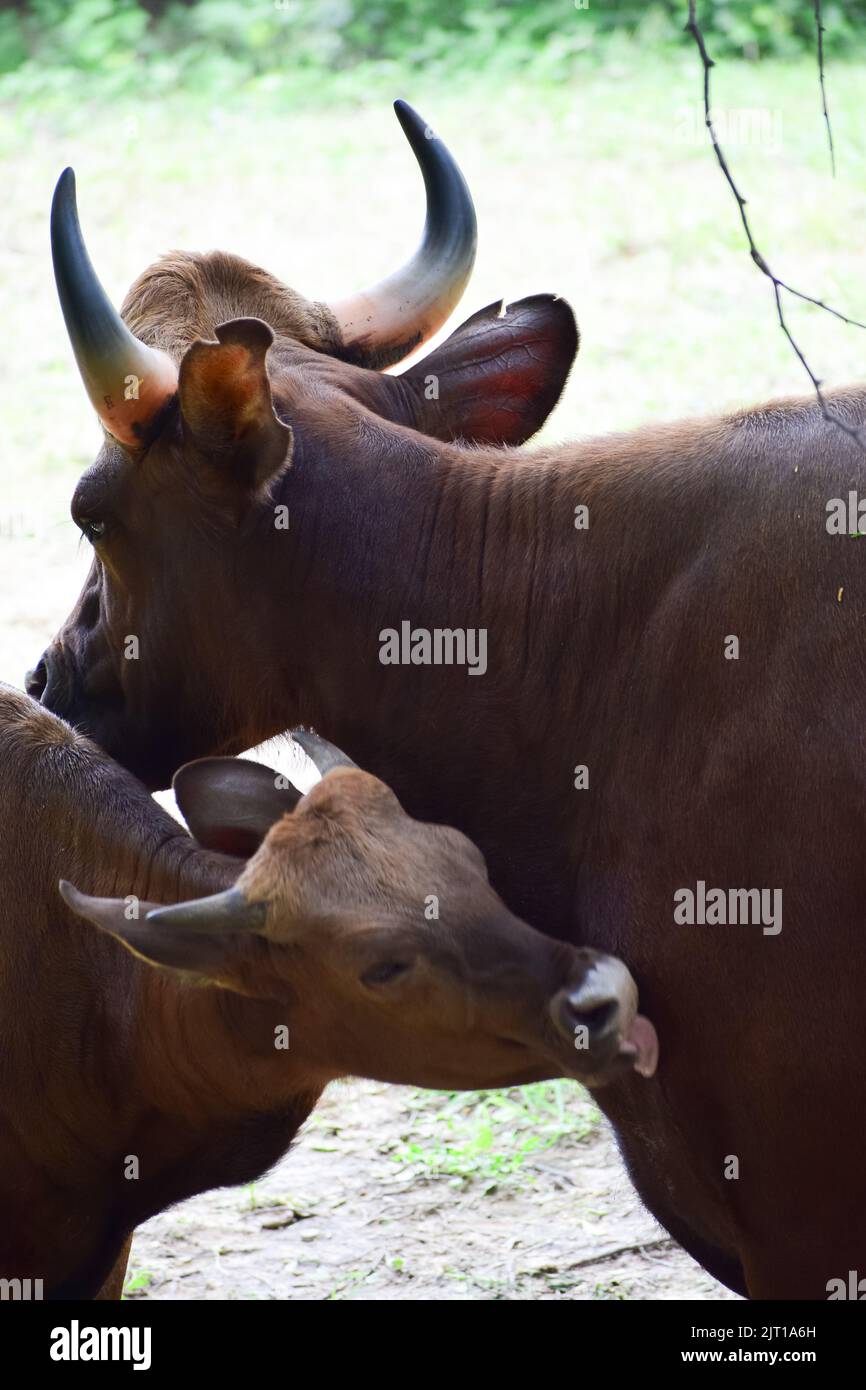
(325, 755)
(128, 383)
(108, 913)
(382, 325)
(221, 912)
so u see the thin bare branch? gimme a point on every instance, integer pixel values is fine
(854, 431)
(819, 23)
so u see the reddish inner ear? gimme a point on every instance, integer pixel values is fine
(225, 392)
(227, 405)
(504, 397)
(499, 375)
(229, 388)
(233, 840)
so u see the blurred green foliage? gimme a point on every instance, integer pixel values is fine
(129, 43)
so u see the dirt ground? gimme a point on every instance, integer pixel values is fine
(352, 1214)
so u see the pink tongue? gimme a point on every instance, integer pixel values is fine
(644, 1039)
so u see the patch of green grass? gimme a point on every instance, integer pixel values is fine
(610, 1290)
(136, 1281)
(494, 1136)
(258, 1202)
(352, 1279)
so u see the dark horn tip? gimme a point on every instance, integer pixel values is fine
(449, 199)
(65, 186)
(412, 123)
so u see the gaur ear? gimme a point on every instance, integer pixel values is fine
(199, 937)
(226, 404)
(230, 804)
(499, 375)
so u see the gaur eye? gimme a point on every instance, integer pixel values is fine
(90, 528)
(385, 973)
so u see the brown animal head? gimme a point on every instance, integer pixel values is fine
(382, 937)
(216, 386)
